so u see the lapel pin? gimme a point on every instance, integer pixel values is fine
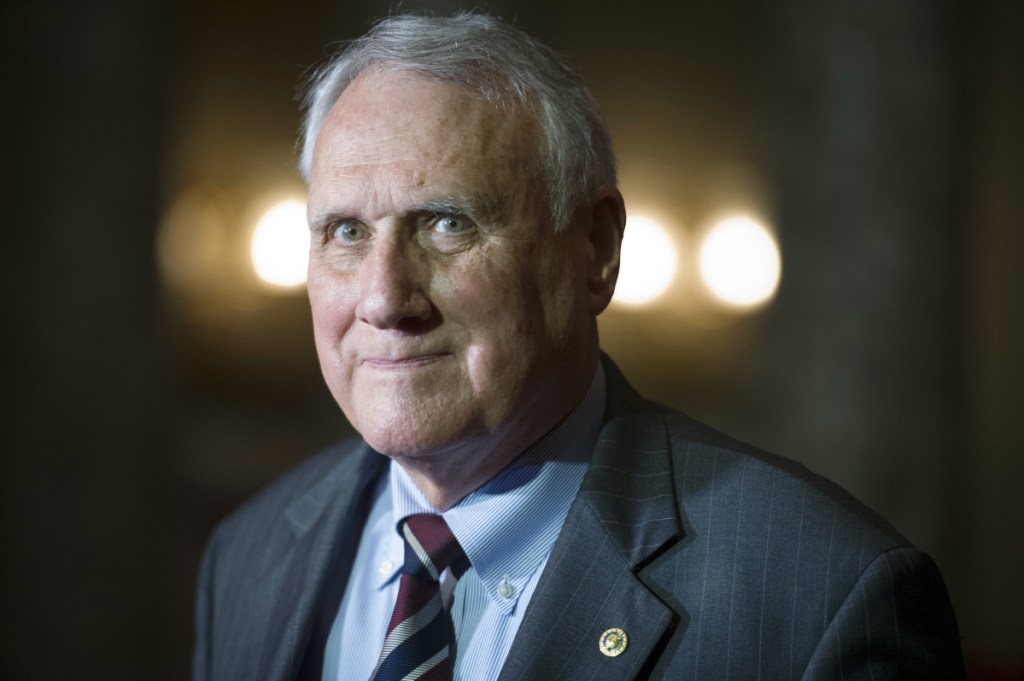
(613, 642)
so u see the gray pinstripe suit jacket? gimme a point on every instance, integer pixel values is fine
(718, 561)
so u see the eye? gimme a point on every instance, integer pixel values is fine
(451, 224)
(349, 232)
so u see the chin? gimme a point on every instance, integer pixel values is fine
(413, 446)
(408, 437)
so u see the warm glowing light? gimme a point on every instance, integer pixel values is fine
(280, 245)
(740, 263)
(648, 262)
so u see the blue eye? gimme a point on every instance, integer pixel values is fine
(451, 224)
(349, 232)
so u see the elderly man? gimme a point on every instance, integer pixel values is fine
(512, 508)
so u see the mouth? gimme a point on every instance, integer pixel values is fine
(403, 362)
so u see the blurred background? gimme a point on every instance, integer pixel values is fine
(830, 191)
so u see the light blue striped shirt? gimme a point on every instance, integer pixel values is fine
(507, 528)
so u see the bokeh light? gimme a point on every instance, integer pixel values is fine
(648, 262)
(280, 245)
(740, 262)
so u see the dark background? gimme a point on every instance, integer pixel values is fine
(150, 386)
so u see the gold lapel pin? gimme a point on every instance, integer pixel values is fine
(613, 642)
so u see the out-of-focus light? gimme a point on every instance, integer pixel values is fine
(740, 263)
(280, 245)
(648, 262)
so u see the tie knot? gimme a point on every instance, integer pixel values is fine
(430, 547)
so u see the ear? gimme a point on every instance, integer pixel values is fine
(607, 224)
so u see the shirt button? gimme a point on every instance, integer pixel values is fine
(505, 589)
(386, 567)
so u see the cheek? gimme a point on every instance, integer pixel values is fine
(333, 314)
(332, 307)
(504, 319)
(560, 302)
(483, 317)
(493, 303)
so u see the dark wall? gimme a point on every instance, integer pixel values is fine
(89, 535)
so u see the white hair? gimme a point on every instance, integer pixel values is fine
(501, 64)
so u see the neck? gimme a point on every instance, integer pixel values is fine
(445, 478)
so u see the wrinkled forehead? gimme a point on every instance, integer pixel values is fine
(386, 111)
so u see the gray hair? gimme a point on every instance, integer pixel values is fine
(501, 64)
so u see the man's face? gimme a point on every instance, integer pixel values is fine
(446, 310)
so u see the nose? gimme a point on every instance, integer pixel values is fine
(393, 286)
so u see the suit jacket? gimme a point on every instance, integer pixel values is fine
(717, 560)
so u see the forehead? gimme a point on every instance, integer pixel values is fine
(402, 120)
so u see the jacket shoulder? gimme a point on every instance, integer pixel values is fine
(775, 557)
(272, 515)
(712, 462)
(248, 561)
(297, 480)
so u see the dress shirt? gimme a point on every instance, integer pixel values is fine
(507, 528)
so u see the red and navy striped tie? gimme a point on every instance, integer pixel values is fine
(421, 640)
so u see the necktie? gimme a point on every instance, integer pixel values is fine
(421, 639)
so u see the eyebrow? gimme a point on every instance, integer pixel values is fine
(480, 209)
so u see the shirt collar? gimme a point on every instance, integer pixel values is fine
(508, 525)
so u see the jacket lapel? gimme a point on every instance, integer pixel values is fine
(308, 579)
(623, 517)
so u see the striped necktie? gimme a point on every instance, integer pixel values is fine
(421, 639)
